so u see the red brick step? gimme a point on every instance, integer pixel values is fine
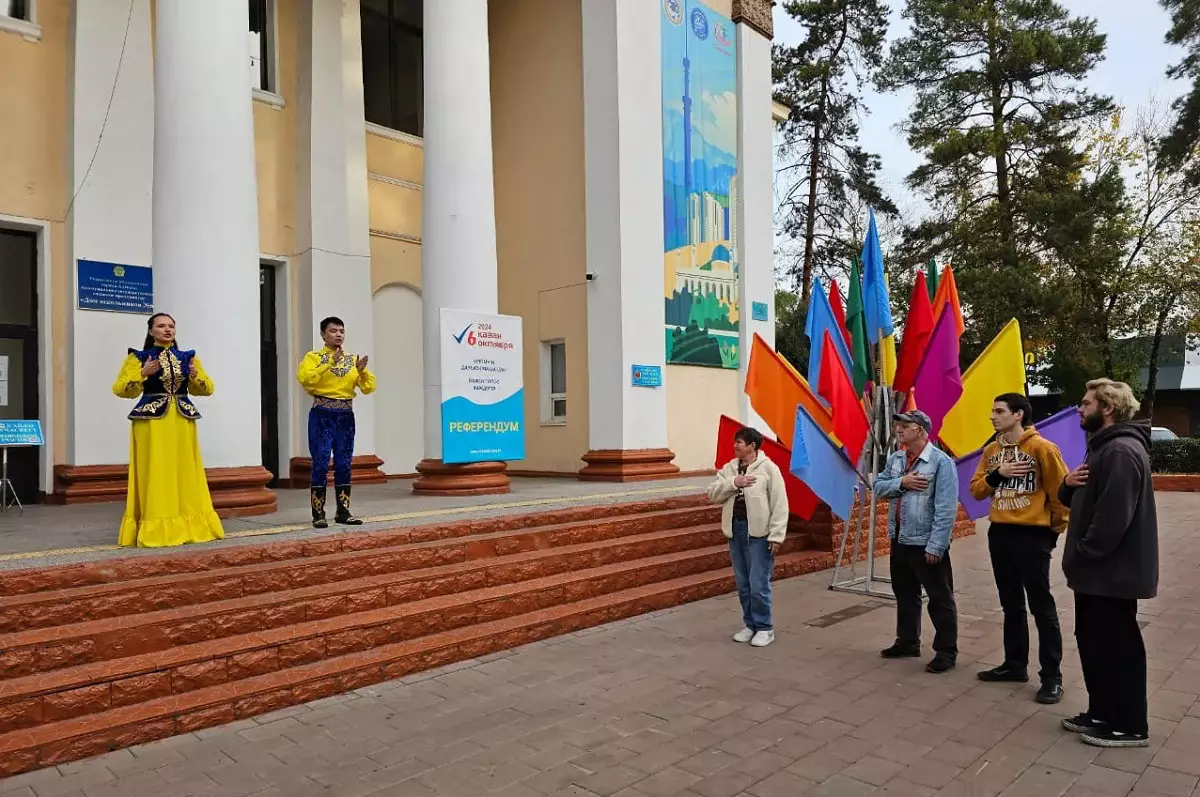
(64, 740)
(126, 597)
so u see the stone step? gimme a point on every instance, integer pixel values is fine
(58, 740)
(44, 579)
(292, 568)
(87, 688)
(47, 649)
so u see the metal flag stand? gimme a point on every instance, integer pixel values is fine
(879, 444)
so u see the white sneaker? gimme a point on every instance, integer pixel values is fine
(743, 636)
(762, 639)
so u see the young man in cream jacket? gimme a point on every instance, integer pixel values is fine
(754, 517)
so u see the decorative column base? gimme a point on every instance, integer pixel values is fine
(89, 484)
(241, 492)
(475, 478)
(364, 469)
(628, 465)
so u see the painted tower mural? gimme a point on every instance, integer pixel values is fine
(700, 184)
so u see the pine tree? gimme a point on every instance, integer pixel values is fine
(998, 106)
(819, 79)
(1184, 136)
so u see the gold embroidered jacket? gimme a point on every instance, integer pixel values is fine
(172, 383)
(326, 375)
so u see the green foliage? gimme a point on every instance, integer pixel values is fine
(1175, 456)
(790, 340)
(828, 174)
(1183, 138)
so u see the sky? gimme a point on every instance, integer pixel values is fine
(1134, 70)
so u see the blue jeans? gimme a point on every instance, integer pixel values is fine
(753, 563)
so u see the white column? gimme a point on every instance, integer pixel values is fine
(206, 213)
(111, 181)
(458, 253)
(622, 67)
(332, 212)
(755, 199)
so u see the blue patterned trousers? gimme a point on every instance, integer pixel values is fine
(330, 431)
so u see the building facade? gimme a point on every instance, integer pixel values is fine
(378, 160)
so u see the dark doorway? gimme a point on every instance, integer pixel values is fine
(269, 360)
(19, 351)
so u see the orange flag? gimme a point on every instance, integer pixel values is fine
(776, 388)
(849, 421)
(947, 297)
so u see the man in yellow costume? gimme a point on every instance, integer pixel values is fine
(331, 375)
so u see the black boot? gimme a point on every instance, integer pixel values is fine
(318, 508)
(343, 507)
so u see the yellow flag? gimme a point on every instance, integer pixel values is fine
(999, 369)
(887, 348)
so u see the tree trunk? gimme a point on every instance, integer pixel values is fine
(1152, 367)
(814, 170)
(1000, 143)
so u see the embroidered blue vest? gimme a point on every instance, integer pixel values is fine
(169, 384)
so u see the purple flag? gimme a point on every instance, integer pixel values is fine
(1061, 428)
(937, 386)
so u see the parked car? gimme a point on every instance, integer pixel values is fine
(1159, 433)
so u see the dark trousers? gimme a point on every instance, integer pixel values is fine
(1021, 565)
(330, 431)
(1114, 661)
(909, 573)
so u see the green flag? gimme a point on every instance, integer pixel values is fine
(856, 320)
(931, 278)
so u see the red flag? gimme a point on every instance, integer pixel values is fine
(918, 327)
(839, 312)
(801, 500)
(849, 421)
(947, 299)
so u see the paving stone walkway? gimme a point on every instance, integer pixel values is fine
(665, 705)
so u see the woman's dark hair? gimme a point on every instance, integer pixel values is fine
(1018, 403)
(750, 437)
(149, 344)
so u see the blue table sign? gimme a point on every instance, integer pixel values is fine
(759, 311)
(21, 433)
(647, 376)
(115, 287)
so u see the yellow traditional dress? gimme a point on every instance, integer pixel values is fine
(168, 501)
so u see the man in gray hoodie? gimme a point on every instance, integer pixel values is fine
(1111, 562)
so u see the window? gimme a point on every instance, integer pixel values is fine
(554, 382)
(393, 64)
(262, 45)
(17, 9)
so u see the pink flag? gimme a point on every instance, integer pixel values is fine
(938, 382)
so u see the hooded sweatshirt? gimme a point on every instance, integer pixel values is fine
(1112, 543)
(1029, 500)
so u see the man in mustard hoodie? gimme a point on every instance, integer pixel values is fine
(1022, 472)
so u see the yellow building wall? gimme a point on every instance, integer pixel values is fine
(696, 400)
(275, 141)
(394, 167)
(35, 128)
(538, 151)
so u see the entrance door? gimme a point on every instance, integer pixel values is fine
(269, 366)
(19, 351)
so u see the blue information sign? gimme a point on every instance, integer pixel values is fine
(116, 288)
(21, 433)
(647, 376)
(759, 311)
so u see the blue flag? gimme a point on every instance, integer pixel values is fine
(822, 466)
(821, 318)
(876, 305)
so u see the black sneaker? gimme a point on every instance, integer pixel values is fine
(1049, 694)
(1111, 738)
(940, 665)
(898, 651)
(1004, 674)
(1083, 723)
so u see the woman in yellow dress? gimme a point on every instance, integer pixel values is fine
(168, 501)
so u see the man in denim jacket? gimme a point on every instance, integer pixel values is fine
(924, 483)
